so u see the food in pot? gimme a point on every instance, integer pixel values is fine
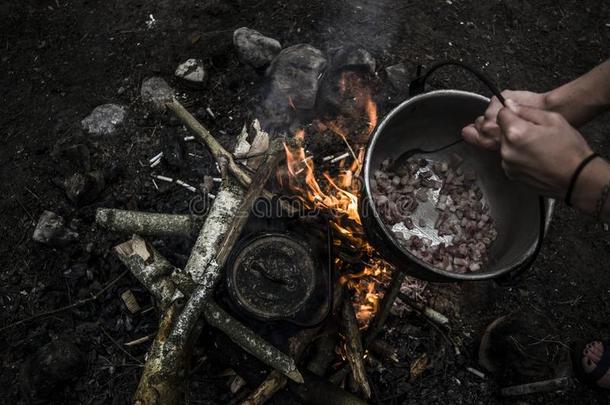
(436, 211)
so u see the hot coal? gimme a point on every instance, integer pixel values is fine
(464, 228)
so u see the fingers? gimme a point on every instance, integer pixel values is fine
(492, 110)
(513, 127)
(472, 135)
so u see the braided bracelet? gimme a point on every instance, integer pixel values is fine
(601, 201)
(585, 161)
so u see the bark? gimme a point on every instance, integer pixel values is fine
(148, 223)
(150, 268)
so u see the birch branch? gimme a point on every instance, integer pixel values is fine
(154, 272)
(148, 223)
(220, 231)
(218, 151)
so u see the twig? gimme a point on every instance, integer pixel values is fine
(428, 312)
(67, 307)
(118, 345)
(135, 342)
(218, 151)
(556, 384)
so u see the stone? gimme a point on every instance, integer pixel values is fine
(346, 81)
(84, 189)
(192, 71)
(51, 230)
(156, 92)
(351, 57)
(52, 365)
(255, 49)
(73, 157)
(104, 119)
(397, 76)
(294, 77)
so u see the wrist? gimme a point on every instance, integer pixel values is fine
(589, 185)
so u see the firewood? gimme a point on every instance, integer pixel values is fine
(354, 349)
(250, 341)
(298, 343)
(155, 272)
(163, 376)
(386, 305)
(148, 223)
(378, 322)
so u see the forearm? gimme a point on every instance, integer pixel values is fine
(582, 99)
(589, 186)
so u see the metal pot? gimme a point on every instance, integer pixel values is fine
(429, 121)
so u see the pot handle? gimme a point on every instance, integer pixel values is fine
(417, 86)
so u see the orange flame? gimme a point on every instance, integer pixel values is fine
(338, 195)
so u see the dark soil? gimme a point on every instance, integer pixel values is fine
(61, 58)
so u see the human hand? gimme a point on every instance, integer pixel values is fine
(485, 131)
(539, 147)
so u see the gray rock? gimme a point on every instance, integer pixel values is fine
(294, 76)
(83, 189)
(156, 92)
(352, 57)
(253, 48)
(398, 76)
(51, 230)
(347, 63)
(191, 71)
(49, 367)
(104, 119)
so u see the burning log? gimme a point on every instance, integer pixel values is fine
(148, 223)
(378, 322)
(386, 305)
(354, 349)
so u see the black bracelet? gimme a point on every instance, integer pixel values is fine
(603, 196)
(568, 197)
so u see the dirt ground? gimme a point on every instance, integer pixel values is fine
(61, 58)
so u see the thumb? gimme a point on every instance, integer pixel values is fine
(531, 114)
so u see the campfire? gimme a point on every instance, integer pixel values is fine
(335, 190)
(304, 273)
